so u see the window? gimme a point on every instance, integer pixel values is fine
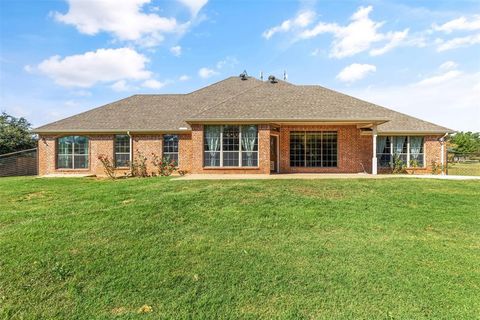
(416, 155)
(231, 146)
(122, 150)
(313, 149)
(170, 147)
(408, 149)
(384, 151)
(72, 152)
(400, 145)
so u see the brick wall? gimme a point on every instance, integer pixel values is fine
(263, 153)
(433, 150)
(98, 144)
(354, 150)
(103, 144)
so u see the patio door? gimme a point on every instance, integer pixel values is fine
(274, 154)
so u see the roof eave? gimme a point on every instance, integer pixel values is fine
(411, 132)
(277, 120)
(108, 131)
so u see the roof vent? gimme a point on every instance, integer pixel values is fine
(272, 79)
(244, 75)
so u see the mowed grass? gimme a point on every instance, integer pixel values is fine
(464, 169)
(264, 249)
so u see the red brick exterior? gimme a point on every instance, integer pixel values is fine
(433, 153)
(263, 153)
(354, 151)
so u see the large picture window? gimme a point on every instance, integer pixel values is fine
(122, 150)
(72, 152)
(231, 146)
(313, 149)
(170, 147)
(408, 149)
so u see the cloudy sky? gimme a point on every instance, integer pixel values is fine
(58, 58)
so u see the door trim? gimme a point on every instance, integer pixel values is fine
(277, 166)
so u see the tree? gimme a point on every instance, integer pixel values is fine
(466, 142)
(15, 134)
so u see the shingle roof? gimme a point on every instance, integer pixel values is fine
(234, 99)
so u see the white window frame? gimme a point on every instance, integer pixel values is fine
(239, 148)
(72, 154)
(408, 151)
(169, 153)
(115, 153)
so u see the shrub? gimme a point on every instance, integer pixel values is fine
(108, 165)
(139, 166)
(414, 165)
(398, 166)
(165, 166)
(435, 167)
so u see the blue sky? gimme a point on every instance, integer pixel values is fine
(58, 58)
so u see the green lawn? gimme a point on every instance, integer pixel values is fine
(464, 169)
(283, 249)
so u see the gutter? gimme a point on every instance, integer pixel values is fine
(291, 120)
(110, 131)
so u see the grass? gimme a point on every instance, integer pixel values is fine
(264, 249)
(464, 169)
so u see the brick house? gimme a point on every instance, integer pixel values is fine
(243, 125)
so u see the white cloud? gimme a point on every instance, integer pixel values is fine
(124, 19)
(301, 20)
(153, 84)
(396, 39)
(355, 72)
(176, 51)
(194, 5)
(358, 36)
(459, 24)
(28, 68)
(439, 78)
(458, 42)
(228, 62)
(448, 65)
(206, 73)
(449, 99)
(315, 52)
(184, 78)
(120, 86)
(103, 65)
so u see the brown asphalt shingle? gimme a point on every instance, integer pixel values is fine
(236, 99)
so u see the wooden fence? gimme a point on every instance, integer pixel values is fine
(20, 163)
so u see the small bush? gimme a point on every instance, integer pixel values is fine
(108, 166)
(398, 166)
(414, 165)
(139, 166)
(435, 167)
(165, 166)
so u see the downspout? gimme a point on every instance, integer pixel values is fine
(131, 149)
(442, 156)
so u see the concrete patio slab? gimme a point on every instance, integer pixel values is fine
(316, 176)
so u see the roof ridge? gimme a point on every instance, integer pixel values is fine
(225, 100)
